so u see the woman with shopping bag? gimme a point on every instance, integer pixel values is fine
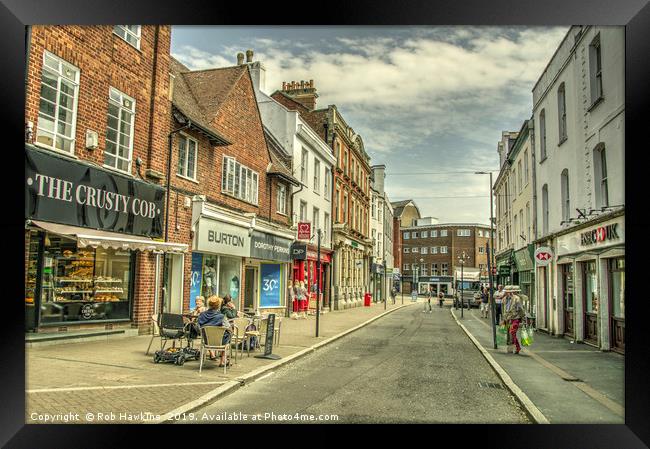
(513, 314)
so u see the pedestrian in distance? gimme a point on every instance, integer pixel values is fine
(485, 298)
(513, 314)
(393, 294)
(498, 300)
(427, 304)
(441, 298)
(414, 295)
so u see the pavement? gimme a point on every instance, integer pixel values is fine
(569, 383)
(114, 381)
(407, 367)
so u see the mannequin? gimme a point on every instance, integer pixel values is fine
(210, 279)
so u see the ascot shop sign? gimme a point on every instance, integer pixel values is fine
(69, 192)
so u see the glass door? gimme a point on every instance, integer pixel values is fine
(250, 289)
(590, 295)
(617, 301)
(567, 297)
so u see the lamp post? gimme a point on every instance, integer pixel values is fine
(490, 255)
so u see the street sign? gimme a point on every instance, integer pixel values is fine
(543, 256)
(304, 230)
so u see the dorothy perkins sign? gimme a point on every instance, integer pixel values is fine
(65, 191)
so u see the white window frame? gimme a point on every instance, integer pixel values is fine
(425, 234)
(303, 211)
(137, 35)
(316, 176)
(407, 250)
(62, 67)
(424, 250)
(565, 195)
(315, 219)
(444, 269)
(416, 249)
(443, 250)
(281, 199)
(187, 152)
(463, 233)
(328, 183)
(123, 99)
(434, 250)
(596, 69)
(407, 235)
(561, 112)
(433, 234)
(239, 181)
(434, 269)
(542, 135)
(526, 168)
(326, 226)
(443, 233)
(415, 235)
(304, 167)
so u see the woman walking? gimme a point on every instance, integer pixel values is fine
(513, 314)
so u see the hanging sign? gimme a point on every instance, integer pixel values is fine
(543, 256)
(304, 230)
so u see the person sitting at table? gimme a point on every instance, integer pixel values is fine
(213, 317)
(200, 306)
(228, 308)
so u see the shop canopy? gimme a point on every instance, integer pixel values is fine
(95, 238)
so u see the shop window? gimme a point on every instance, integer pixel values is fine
(229, 277)
(590, 286)
(567, 285)
(57, 111)
(83, 284)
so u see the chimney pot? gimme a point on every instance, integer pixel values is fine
(302, 84)
(249, 55)
(240, 58)
(311, 84)
(284, 85)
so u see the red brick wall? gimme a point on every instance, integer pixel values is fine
(105, 60)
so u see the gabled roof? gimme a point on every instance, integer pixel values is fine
(398, 207)
(187, 104)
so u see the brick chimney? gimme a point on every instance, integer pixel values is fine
(303, 92)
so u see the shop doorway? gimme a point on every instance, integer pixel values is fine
(173, 284)
(250, 288)
(617, 303)
(567, 297)
(590, 301)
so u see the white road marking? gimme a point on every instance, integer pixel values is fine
(120, 387)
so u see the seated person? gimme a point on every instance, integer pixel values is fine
(213, 317)
(228, 308)
(200, 306)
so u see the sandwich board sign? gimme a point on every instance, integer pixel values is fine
(543, 256)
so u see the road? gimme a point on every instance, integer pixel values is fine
(407, 367)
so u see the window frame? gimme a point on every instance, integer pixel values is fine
(565, 195)
(128, 32)
(562, 115)
(316, 176)
(133, 112)
(245, 181)
(189, 138)
(62, 65)
(281, 199)
(542, 135)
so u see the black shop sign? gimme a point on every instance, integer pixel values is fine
(298, 251)
(270, 247)
(64, 191)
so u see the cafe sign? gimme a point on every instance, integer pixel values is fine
(66, 191)
(599, 235)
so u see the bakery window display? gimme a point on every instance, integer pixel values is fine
(83, 284)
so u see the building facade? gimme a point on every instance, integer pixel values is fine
(226, 180)
(351, 193)
(431, 251)
(97, 118)
(311, 201)
(579, 114)
(381, 229)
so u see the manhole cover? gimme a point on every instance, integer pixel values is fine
(490, 385)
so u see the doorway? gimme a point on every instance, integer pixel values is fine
(617, 303)
(250, 289)
(590, 301)
(173, 283)
(567, 297)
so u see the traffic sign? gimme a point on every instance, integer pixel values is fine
(543, 256)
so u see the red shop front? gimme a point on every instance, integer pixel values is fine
(305, 271)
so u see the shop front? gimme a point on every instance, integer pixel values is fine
(306, 270)
(217, 253)
(504, 268)
(91, 239)
(523, 271)
(591, 282)
(436, 284)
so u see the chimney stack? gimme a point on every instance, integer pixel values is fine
(249, 55)
(302, 91)
(240, 58)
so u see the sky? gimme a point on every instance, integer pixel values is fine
(429, 102)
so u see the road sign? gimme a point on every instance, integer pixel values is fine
(543, 256)
(304, 230)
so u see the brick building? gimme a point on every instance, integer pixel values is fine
(431, 251)
(404, 214)
(97, 120)
(225, 194)
(350, 224)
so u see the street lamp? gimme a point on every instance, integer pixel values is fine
(490, 255)
(461, 259)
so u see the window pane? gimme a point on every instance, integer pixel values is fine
(67, 87)
(47, 108)
(45, 123)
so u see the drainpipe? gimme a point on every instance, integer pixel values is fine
(531, 130)
(153, 91)
(169, 173)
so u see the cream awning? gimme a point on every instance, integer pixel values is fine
(584, 257)
(614, 252)
(95, 238)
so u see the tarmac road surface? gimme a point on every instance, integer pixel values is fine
(407, 367)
